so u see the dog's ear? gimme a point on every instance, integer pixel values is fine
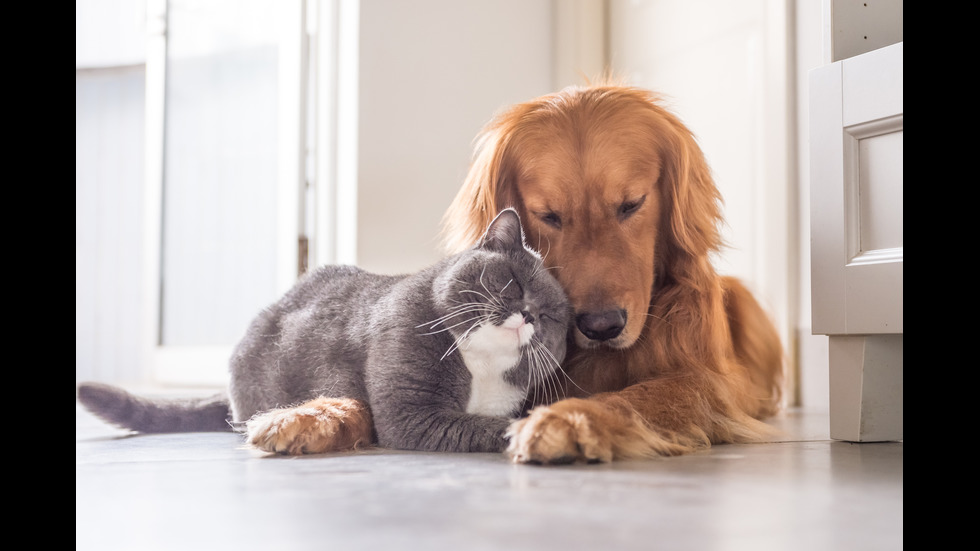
(488, 187)
(693, 203)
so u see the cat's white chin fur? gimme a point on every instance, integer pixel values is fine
(488, 353)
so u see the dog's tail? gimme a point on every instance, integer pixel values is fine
(758, 348)
(156, 415)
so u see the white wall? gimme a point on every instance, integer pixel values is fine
(722, 68)
(432, 72)
(810, 53)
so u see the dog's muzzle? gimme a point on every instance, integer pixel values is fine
(601, 326)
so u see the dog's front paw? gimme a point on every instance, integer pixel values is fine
(318, 426)
(585, 430)
(564, 432)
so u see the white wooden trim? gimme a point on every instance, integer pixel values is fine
(775, 234)
(292, 140)
(192, 365)
(156, 63)
(857, 252)
(347, 156)
(335, 74)
(323, 226)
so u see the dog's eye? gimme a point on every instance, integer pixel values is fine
(629, 208)
(552, 219)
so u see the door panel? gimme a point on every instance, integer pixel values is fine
(857, 194)
(857, 180)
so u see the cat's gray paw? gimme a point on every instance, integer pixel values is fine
(318, 426)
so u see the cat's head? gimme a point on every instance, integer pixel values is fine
(503, 282)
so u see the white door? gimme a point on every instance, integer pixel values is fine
(224, 176)
(856, 125)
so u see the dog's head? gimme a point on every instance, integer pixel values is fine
(614, 192)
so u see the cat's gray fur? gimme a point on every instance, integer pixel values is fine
(388, 341)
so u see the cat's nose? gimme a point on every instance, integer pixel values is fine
(528, 317)
(601, 326)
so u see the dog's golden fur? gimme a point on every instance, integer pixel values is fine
(615, 192)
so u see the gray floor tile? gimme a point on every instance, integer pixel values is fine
(205, 491)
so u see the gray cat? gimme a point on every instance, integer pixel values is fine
(440, 360)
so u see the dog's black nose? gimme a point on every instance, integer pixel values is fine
(601, 326)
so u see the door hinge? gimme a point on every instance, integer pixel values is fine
(303, 255)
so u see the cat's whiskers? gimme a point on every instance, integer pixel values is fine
(501, 292)
(531, 372)
(459, 340)
(476, 315)
(540, 268)
(463, 309)
(489, 295)
(540, 374)
(479, 320)
(558, 390)
(541, 365)
(532, 384)
(487, 298)
(457, 311)
(546, 253)
(572, 381)
(541, 264)
(554, 391)
(543, 268)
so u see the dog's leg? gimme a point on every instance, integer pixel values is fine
(656, 417)
(318, 426)
(588, 430)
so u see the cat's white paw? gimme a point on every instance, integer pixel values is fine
(318, 426)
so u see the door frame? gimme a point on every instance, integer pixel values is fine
(208, 365)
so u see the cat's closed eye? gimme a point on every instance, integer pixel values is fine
(512, 291)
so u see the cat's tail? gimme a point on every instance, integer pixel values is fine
(156, 415)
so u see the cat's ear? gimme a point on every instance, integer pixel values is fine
(504, 233)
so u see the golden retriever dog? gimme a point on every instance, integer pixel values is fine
(666, 356)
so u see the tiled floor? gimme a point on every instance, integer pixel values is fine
(204, 491)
